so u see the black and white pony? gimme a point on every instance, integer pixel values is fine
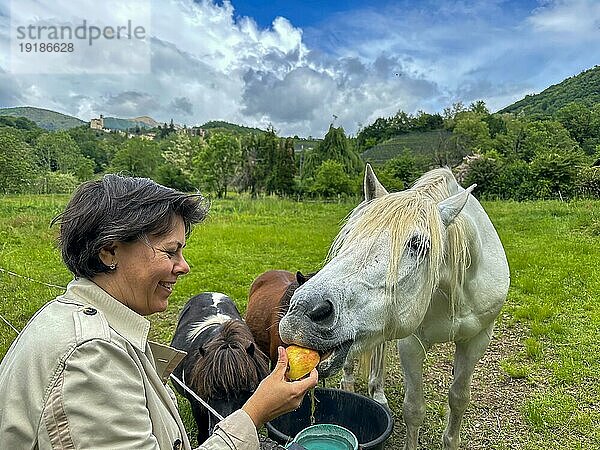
(223, 365)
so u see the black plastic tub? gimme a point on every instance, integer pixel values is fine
(370, 422)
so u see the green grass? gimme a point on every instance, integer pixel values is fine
(552, 249)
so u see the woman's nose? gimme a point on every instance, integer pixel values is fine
(182, 267)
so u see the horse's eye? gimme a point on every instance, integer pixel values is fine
(418, 246)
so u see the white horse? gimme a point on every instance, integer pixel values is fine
(424, 265)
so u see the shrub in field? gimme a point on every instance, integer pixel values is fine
(485, 172)
(588, 182)
(331, 180)
(56, 183)
(517, 182)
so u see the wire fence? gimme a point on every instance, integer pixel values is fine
(33, 280)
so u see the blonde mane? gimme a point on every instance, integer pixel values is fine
(402, 215)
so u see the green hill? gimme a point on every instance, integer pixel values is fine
(423, 143)
(583, 88)
(44, 118)
(219, 125)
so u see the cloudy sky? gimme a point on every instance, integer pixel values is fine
(297, 64)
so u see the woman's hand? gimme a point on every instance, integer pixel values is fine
(275, 395)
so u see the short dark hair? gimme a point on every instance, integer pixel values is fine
(120, 209)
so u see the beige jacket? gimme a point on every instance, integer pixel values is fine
(82, 375)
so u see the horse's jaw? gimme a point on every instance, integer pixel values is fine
(333, 360)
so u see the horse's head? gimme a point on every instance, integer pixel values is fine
(382, 270)
(229, 368)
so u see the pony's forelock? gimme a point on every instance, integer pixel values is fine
(226, 369)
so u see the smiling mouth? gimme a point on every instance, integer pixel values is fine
(166, 285)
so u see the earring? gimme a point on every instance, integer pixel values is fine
(113, 266)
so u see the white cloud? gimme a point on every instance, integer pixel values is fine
(568, 17)
(359, 65)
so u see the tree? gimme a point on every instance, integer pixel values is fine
(405, 168)
(137, 157)
(479, 107)
(510, 143)
(426, 122)
(17, 164)
(248, 177)
(451, 113)
(20, 123)
(216, 163)
(378, 131)
(267, 157)
(557, 158)
(334, 147)
(267, 164)
(331, 180)
(471, 133)
(281, 179)
(516, 181)
(58, 152)
(588, 182)
(582, 123)
(94, 145)
(178, 153)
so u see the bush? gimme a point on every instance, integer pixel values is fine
(485, 172)
(56, 183)
(587, 183)
(516, 182)
(331, 180)
(557, 172)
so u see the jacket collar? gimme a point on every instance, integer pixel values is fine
(121, 318)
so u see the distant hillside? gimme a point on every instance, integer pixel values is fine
(147, 120)
(44, 118)
(583, 88)
(418, 142)
(114, 123)
(215, 125)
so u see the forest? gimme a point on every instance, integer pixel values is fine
(510, 155)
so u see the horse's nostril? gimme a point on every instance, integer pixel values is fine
(321, 311)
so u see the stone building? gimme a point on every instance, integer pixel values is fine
(97, 124)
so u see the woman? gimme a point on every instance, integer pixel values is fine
(82, 374)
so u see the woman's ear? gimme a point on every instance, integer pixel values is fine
(107, 254)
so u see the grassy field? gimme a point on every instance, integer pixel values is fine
(536, 388)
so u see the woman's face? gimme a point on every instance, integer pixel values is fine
(145, 276)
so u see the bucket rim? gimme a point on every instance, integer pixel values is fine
(332, 427)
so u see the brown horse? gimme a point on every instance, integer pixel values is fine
(269, 300)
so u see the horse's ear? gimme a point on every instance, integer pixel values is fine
(372, 187)
(250, 348)
(450, 207)
(300, 278)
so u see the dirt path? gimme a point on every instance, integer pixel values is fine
(493, 419)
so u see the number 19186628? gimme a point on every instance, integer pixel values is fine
(46, 47)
